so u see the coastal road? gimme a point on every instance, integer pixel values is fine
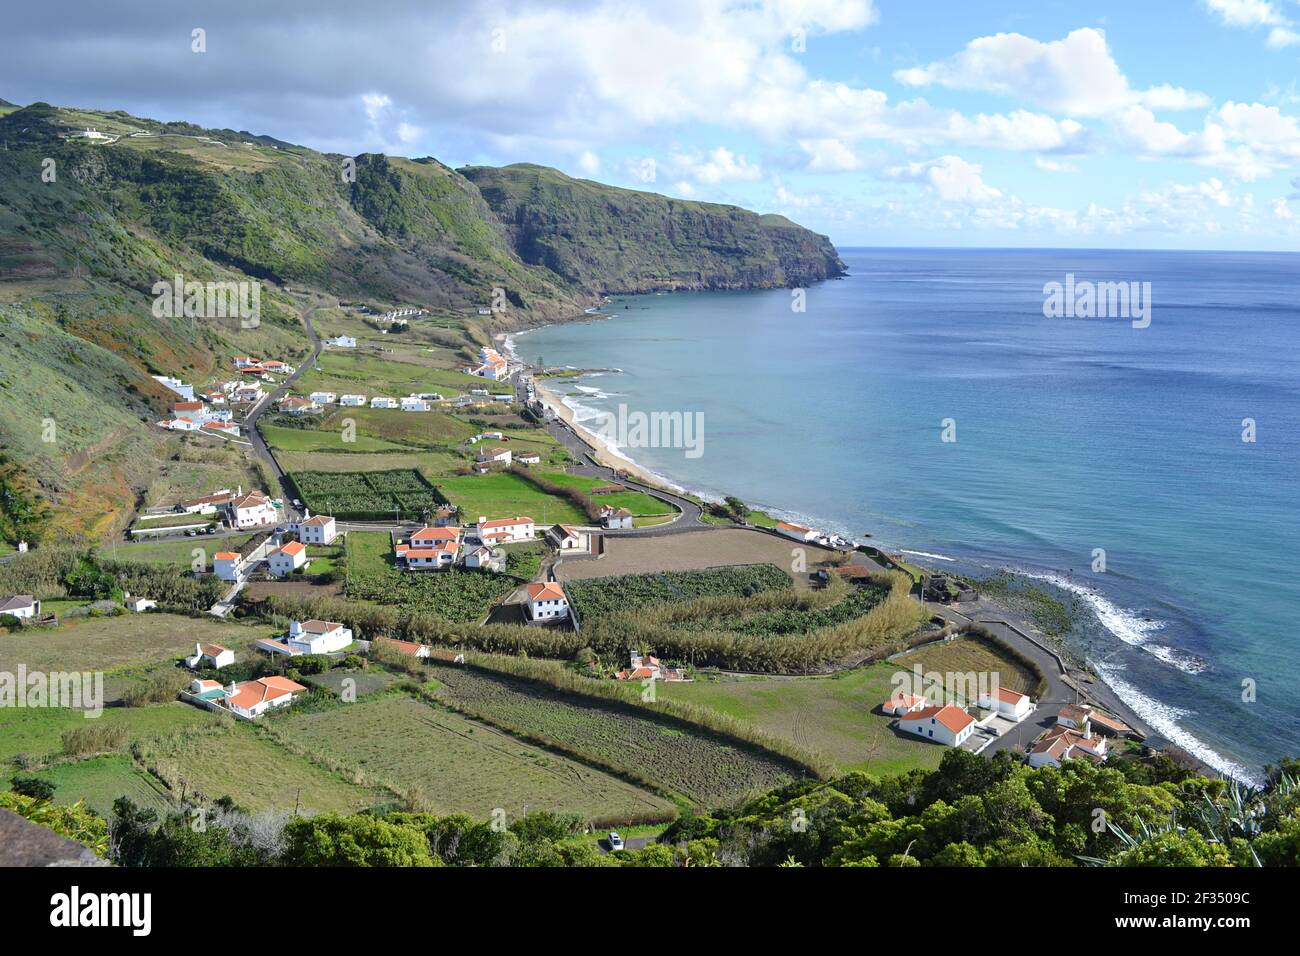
(581, 449)
(250, 420)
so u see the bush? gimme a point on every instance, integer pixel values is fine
(33, 787)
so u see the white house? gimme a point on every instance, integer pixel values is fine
(485, 559)
(902, 703)
(251, 511)
(323, 398)
(501, 455)
(176, 385)
(207, 504)
(293, 405)
(482, 436)
(383, 401)
(352, 401)
(226, 565)
(288, 559)
(565, 537)
(222, 428)
(214, 655)
(21, 606)
(138, 604)
(491, 365)
(434, 537)
(315, 529)
(947, 724)
(1065, 743)
(342, 342)
(242, 362)
(248, 392)
(1008, 703)
(309, 637)
(278, 367)
(427, 559)
(615, 518)
(528, 458)
(413, 403)
(796, 531)
(252, 698)
(505, 529)
(547, 602)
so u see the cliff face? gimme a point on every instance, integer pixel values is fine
(609, 240)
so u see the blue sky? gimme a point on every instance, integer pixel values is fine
(1161, 123)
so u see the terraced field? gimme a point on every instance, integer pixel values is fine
(673, 755)
(459, 765)
(101, 780)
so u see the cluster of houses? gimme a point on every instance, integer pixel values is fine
(1080, 733)
(248, 699)
(239, 510)
(261, 368)
(315, 403)
(431, 549)
(201, 416)
(950, 724)
(491, 364)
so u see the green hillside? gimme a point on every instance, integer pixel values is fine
(97, 207)
(611, 240)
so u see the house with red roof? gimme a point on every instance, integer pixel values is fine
(1008, 703)
(902, 703)
(1061, 743)
(213, 655)
(288, 559)
(547, 602)
(500, 530)
(945, 724)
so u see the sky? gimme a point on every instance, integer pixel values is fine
(1108, 123)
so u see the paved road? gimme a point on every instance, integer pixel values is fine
(581, 449)
(250, 421)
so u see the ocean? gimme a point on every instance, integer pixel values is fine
(1070, 440)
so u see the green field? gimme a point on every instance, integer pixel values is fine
(637, 502)
(128, 640)
(256, 772)
(362, 495)
(452, 764)
(968, 655)
(600, 597)
(676, 757)
(39, 732)
(323, 439)
(367, 374)
(180, 551)
(836, 716)
(503, 495)
(101, 780)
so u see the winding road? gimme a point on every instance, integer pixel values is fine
(251, 419)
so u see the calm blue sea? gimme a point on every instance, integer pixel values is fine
(1072, 434)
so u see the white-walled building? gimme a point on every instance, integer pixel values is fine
(323, 398)
(947, 724)
(315, 529)
(1065, 743)
(565, 537)
(352, 401)
(138, 604)
(495, 455)
(288, 559)
(342, 342)
(383, 401)
(501, 530)
(251, 511)
(796, 531)
(213, 655)
(252, 698)
(615, 518)
(309, 637)
(22, 606)
(225, 564)
(413, 403)
(547, 602)
(1008, 703)
(902, 703)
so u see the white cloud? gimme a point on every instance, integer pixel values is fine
(830, 155)
(721, 165)
(1280, 37)
(951, 178)
(1076, 75)
(1054, 166)
(1246, 13)
(589, 163)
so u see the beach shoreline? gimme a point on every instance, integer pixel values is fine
(1096, 681)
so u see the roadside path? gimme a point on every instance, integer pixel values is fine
(255, 438)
